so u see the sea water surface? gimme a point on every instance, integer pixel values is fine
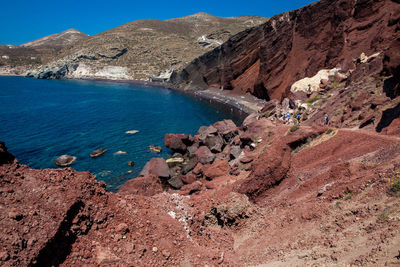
(43, 119)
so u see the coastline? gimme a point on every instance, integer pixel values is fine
(240, 105)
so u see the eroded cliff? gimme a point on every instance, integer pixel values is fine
(268, 59)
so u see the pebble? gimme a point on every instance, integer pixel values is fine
(155, 249)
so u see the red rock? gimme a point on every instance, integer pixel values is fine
(268, 59)
(204, 155)
(269, 169)
(218, 168)
(188, 178)
(146, 186)
(156, 166)
(191, 188)
(176, 142)
(198, 170)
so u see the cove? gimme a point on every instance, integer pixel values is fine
(43, 119)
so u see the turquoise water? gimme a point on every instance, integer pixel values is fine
(43, 119)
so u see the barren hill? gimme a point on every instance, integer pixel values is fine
(17, 60)
(58, 40)
(145, 48)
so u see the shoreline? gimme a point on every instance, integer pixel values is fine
(241, 104)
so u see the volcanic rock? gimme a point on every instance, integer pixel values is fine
(175, 182)
(64, 160)
(146, 186)
(214, 143)
(218, 168)
(268, 170)
(268, 59)
(156, 166)
(204, 155)
(176, 142)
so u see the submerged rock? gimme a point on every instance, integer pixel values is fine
(64, 160)
(98, 152)
(156, 149)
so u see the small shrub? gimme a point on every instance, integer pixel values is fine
(270, 133)
(384, 215)
(294, 128)
(310, 101)
(329, 131)
(347, 196)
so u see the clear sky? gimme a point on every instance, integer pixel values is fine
(27, 20)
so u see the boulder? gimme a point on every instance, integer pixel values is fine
(175, 182)
(64, 160)
(214, 143)
(192, 149)
(188, 166)
(188, 178)
(176, 142)
(198, 170)
(235, 152)
(145, 186)
(267, 171)
(227, 129)
(174, 162)
(156, 166)
(250, 119)
(204, 155)
(217, 169)
(191, 188)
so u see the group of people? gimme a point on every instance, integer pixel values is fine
(299, 117)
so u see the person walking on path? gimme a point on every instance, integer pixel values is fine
(327, 119)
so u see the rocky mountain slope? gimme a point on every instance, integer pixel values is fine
(146, 48)
(17, 60)
(268, 59)
(57, 41)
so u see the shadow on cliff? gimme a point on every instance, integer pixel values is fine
(59, 247)
(387, 117)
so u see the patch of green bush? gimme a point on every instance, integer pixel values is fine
(294, 128)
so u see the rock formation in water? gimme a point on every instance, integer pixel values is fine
(144, 49)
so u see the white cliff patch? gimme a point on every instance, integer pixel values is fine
(312, 84)
(113, 72)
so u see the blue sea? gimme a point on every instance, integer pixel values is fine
(43, 119)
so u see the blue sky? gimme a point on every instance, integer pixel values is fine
(27, 20)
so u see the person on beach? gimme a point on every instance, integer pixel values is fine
(326, 122)
(287, 117)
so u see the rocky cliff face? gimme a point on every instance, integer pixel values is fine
(268, 59)
(145, 49)
(18, 60)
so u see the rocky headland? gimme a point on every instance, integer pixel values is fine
(18, 60)
(147, 49)
(269, 192)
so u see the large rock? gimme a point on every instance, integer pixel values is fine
(156, 166)
(204, 155)
(64, 160)
(146, 186)
(5, 156)
(214, 143)
(176, 142)
(227, 129)
(268, 170)
(217, 169)
(175, 182)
